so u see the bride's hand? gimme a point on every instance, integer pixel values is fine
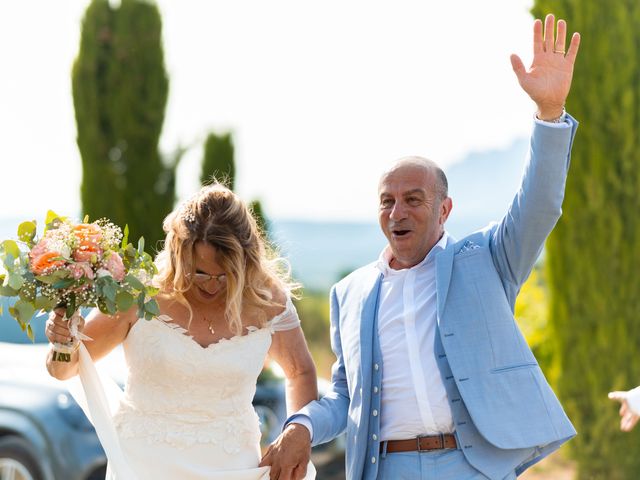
(57, 327)
(289, 455)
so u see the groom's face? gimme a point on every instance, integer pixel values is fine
(411, 213)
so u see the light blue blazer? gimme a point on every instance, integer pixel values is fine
(506, 416)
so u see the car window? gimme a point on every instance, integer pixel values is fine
(10, 330)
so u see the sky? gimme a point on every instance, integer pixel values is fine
(319, 96)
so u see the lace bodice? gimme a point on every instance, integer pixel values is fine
(181, 393)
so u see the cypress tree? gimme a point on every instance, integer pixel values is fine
(120, 90)
(593, 255)
(258, 213)
(218, 160)
(218, 163)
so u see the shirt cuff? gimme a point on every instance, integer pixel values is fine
(633, 400)
(559, 123)
(302, 420)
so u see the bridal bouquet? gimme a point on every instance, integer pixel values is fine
(75, 265)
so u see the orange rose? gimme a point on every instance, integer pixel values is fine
(88, 233)
(43, 263)
(89, 237)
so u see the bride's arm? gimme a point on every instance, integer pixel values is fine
(106, 331)
(289, 349)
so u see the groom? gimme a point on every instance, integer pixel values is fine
(433, 378)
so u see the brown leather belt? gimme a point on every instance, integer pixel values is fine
(420, 444)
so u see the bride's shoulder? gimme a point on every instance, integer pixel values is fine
(171, 307)
(279, 303)
(283, 316)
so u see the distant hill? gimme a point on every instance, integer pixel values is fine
(482, 186)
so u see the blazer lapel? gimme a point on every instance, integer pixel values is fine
(444, 264)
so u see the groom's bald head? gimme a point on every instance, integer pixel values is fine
(431, 168)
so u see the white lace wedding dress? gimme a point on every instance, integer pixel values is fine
(186, 412)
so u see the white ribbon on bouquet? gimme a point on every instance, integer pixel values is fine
(99, 397)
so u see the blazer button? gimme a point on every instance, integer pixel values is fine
(374, 413)
(376, 367)
(375, 389)
(373, 459)
(374, 436)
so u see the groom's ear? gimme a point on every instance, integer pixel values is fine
(445, 209)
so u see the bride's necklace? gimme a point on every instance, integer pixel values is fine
(209, 322)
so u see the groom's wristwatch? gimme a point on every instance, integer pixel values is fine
(559, 119)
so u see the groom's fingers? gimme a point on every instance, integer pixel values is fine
(266, 458)
(518, 66)
(300, 472)
(549, 40)
(274, 473)
(286, 474)
(561, 35)
(573, 48)
(538, 46)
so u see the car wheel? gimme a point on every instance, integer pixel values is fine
(16, 460)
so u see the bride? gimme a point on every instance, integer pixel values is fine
(186, 411)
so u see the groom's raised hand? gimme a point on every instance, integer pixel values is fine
(289, 454)
(548, 79)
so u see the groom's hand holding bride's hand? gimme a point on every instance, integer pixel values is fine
(289, 455)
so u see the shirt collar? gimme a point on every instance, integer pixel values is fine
(386, 255)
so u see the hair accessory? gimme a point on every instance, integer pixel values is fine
(186, 213)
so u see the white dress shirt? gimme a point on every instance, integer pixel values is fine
(413, 397)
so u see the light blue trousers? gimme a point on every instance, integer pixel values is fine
(436, 464)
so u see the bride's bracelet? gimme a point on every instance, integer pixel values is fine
(62, 352)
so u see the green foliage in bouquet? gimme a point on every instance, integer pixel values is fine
(593, 254)
(76, 265)
(120, 89)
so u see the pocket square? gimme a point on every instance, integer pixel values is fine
(468, 245)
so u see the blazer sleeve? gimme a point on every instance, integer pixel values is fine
(518, 239)
(328, 415)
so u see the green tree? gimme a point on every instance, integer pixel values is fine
(594, 252)
(218, 163)
(120, 89)
(259, 215)
(218, 160)
(532, 315)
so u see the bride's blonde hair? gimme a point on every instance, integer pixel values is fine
(216, 216)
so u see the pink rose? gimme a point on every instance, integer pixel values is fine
(82, 269)
(39, 249)
(115, 266)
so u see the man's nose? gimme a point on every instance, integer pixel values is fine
(398, 212)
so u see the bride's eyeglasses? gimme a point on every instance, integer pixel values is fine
(201, 278)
